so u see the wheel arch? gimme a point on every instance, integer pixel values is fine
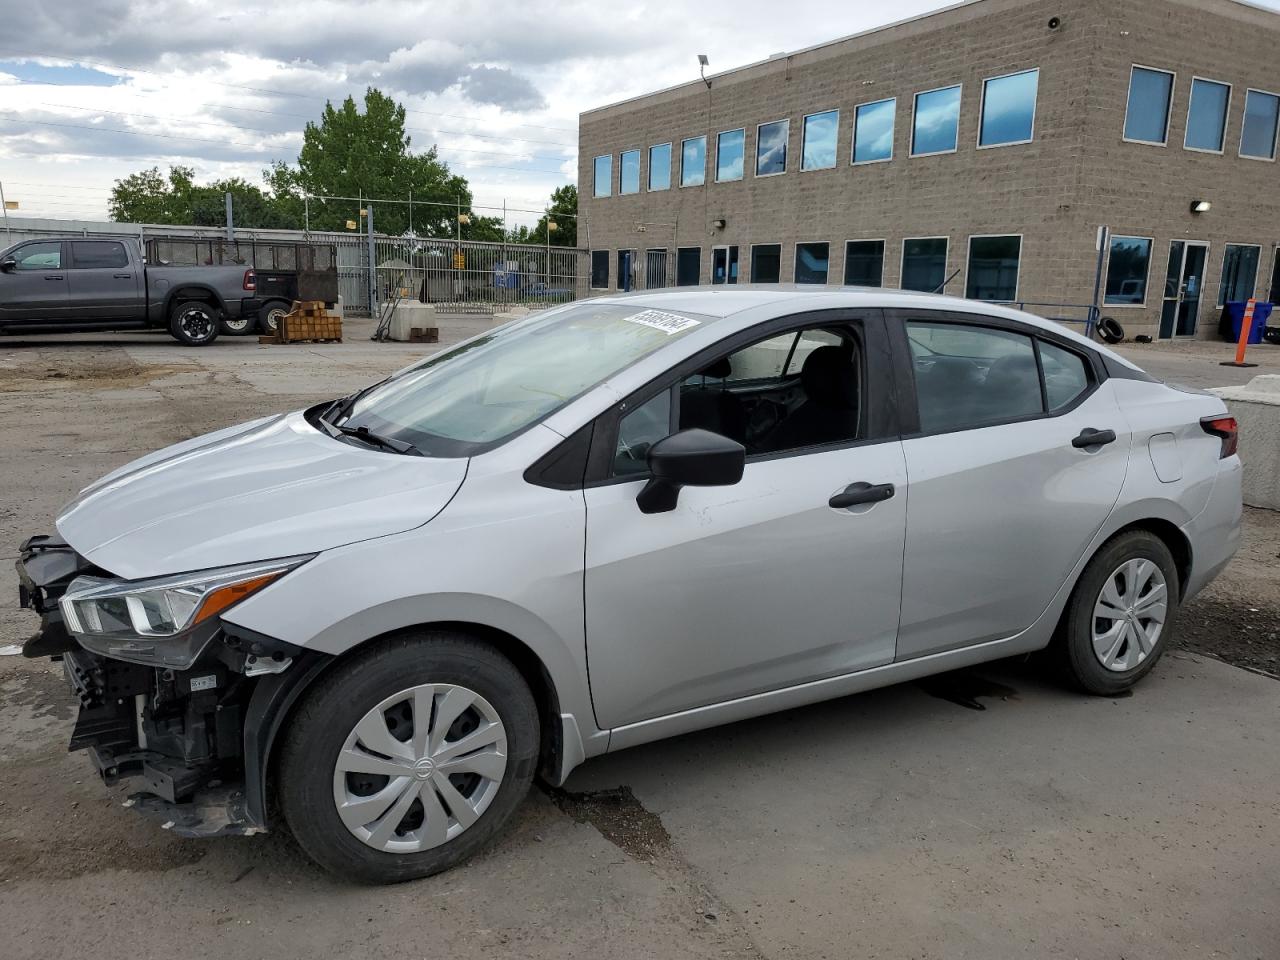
(276, 697)
(189, 292)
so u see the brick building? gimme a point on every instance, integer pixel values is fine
(982, 146)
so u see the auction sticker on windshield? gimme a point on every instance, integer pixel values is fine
(668, 323)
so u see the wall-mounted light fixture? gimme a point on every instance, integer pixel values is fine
(703, 63)
(1200, 206)
(718, 223)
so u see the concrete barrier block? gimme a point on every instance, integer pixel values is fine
(408, 315)
(1256, 407)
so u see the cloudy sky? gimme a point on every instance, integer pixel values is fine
(96, 89)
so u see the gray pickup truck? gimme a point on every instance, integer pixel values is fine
(75, 283)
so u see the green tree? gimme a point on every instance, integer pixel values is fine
(150, 197)
(354, 153)
(562, 210)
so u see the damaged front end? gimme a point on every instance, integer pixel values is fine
(169, 693)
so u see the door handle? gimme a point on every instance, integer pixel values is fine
(1089, 437)
(122, 276)
(857, 493)
(57, 277)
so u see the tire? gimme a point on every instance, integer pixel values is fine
(1107, 656)
(194, 323)
(238, 326)
(269, 316)
(335, 723)
(1110, 331)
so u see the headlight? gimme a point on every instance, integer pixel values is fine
(94, 607)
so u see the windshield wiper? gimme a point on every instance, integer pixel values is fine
(342, 408)
(371, 438)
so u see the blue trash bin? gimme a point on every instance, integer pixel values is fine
(1261, 313)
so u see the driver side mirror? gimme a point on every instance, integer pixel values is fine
(690, 458)
(9, 265)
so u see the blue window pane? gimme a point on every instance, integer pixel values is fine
(693, 162)
(729, 147)
(819, 149)
(1127, 266)
(1261, 111)
(873, 131)
(937, 121)
(771, 147)
(1207, 119)
(1239, 273)
(629, 172)
(660, 166)
(1147, 116)
(604, 176)
(811, 262)
(924, 263)
(1008, 108)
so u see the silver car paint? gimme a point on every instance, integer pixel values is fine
(508, 556)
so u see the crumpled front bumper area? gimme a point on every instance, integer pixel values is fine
(180, 733)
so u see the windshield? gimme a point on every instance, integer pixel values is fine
(481, 392)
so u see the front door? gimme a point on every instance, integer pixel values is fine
(625, 280)
(724, 265)
(36, 287)
(1003, 504)
(1183, 285)
(760, 585)
(102, 282)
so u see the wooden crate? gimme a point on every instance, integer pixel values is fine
(308, 321)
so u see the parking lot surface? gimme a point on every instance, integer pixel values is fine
(983, 814)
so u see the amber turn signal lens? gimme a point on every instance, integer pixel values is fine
(225, 597)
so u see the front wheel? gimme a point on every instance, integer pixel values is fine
(408, 759)
(1121, 614)
(194, 323)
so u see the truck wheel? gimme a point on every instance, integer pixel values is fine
(269, 317)
(238, 326)
(194, 323)
(408, 759)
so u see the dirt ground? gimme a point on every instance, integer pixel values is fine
(986, 813)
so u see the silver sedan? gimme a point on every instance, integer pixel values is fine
(612, 522)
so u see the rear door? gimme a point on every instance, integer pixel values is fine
(36, 287)
(104, 282)
(764, 584)
(1002, 501)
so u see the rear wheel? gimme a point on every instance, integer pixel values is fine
(270, 315)
(238, 326)
(194, 323)
(1121, 614)
(407, 760)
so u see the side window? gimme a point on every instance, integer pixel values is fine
(1065, 375)
(40, 256)
(97, 254)
(969, 376)
(638, 431)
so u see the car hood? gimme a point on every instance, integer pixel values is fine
(271, 488)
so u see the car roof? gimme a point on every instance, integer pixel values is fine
(725, 301)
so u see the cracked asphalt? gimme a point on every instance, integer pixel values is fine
(983, 814)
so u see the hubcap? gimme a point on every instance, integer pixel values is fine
(1129, 615)
(273, 318)
(420, 768)
(196, 323)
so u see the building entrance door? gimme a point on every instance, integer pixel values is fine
(1273, 294)
(1184, 282)
(625, 275)
(724, 265)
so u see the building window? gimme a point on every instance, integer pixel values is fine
(693, 162)
(1146, 118)
(873, 131)
(993, 268)
(936, 122)
(812, 260)
(766, 262)
(729, 151)
(660, 166)
(724, 265)
(1008, 109)
(1207, 115)
(924, 263)
(864, 263)
(771, 147)
(629, 172)
(818, 149)
(688, 266)
(599, 269)
(1239, 272)
(655, 268)
(1258, 135)
(1128, 263)
(604, 176)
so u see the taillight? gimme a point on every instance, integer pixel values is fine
(1226, 429)
(250, 281)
